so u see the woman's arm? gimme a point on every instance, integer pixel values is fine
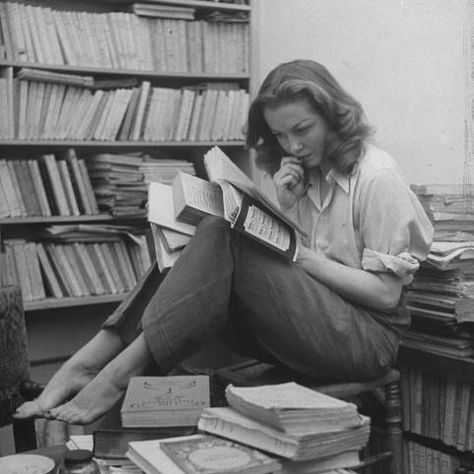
(380, 291)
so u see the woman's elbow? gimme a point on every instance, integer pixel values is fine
(389, 295)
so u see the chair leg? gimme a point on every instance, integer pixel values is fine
(393, 421)
(24, 435)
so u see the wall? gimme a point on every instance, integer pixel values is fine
(402, 59)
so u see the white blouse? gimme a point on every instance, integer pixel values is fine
(369, 220)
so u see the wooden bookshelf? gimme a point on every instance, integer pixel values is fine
(63, 219)
(168, 74)
(89, 70)
(119, 144)
(55, 303)
(459, 368)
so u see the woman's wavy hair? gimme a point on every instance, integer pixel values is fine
(308, 80)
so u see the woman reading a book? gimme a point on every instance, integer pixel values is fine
(334, 314)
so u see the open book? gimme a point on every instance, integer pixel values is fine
(229, 193)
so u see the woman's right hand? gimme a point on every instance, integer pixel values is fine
(290, 182)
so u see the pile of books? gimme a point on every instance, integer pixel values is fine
(46, 186)
(441, 296)
(118, 183)
(160, 170)
(175, 210)
(283, 428)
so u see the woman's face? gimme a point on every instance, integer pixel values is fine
(300, 130)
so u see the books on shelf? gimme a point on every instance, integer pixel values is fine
(292, 408)
(77, 261)
(64, 109)
(165, 401)
(137, 41)
(46, 186)
(438, 408)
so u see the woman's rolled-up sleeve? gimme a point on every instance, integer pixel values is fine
(396, 233)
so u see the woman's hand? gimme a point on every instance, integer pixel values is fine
(290, 182)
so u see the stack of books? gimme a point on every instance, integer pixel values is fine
(441, 296)
(159, 170)
(293, 422)
(118, 183)
(175, 210)
(284, 428)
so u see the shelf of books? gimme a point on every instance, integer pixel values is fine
(437, 353)
(99, 99)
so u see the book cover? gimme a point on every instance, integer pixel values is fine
(183, 392)
(211, 455)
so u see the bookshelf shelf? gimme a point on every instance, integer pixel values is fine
(200, 4)
(52, 303)
(145, 74)
(439, 365)
(57, 219)
(119, 144)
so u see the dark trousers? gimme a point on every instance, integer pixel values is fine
(262, 305)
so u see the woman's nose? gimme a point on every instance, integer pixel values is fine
(295, 146)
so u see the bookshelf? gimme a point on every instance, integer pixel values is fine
(106, 43)
(438, 410)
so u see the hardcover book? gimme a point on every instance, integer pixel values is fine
(165, 401)
(199, 454)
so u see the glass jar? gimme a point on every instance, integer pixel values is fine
(79, 461)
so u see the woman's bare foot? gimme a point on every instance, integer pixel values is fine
(101, 394)
(74, 375)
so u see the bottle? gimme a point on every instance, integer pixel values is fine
(79, 461)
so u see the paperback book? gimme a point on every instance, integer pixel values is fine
(165, 401)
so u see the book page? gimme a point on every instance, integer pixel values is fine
(220, 167)
(160, 209)
(200, 194)
(261, 225)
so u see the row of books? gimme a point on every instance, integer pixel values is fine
(45, 110)
(421, 459)
(284, 428)
(120, 180)
(118, 40)
(57, 270)
(46, 186)
(438, 408)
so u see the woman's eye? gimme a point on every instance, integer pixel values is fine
(301, 131)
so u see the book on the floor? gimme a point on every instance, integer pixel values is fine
(201, 454)
(293, 408)
(112, 444)
(231, 424)
(210, 454)
(165, 401)
(231, 194)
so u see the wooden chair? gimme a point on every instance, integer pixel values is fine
(15, 384)
(385, 389)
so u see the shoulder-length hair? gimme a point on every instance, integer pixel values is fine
(308, 80)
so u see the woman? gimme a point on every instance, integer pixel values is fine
(334, 314)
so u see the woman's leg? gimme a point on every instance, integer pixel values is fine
(292, 316)
(118, 331)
